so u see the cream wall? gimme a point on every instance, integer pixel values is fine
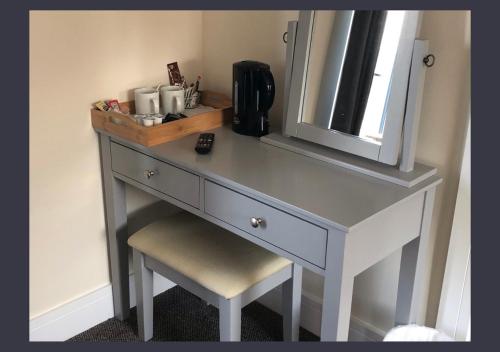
(232, 36)
(77, 58)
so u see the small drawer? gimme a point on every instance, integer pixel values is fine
(281, 229)
(156, 174)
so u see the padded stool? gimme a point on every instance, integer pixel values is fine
(216, 265)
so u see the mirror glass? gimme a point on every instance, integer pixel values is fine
(351, 60)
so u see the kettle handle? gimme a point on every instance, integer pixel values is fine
(268, 91)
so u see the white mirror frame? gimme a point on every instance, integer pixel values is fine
(387, 151)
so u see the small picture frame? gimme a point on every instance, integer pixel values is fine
(174, 74)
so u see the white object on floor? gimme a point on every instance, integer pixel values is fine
(415, 333)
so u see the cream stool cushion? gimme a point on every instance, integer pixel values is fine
(215, 258)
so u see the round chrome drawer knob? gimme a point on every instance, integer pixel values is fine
(256, 222)
(149, 173)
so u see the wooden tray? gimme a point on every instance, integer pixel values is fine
(126, 127)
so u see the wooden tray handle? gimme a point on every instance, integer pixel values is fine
(120, 124)
(120, 120)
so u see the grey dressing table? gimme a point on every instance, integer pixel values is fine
(331, 220)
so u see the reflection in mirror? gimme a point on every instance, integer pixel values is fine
(351, 61)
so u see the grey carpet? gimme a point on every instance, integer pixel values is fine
(181, 316)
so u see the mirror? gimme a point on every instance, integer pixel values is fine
(367, 41)
(350, 79)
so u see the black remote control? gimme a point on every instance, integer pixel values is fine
(205, 142)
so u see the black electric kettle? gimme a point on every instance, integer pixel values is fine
(253, 96)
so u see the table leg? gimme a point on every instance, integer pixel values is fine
(230, 318)
(144, 295)
(411, 300)
(291, 299)
(117, 234)
(337, 292)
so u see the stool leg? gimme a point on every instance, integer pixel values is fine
(292, 293)
(230, 318)
(144, 296)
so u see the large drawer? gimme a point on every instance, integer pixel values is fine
(163, 177)
(281, 229)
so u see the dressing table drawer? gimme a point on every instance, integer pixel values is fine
(163, 177)
(274, 226)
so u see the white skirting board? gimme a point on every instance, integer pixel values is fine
(310, 316)
(70, 319)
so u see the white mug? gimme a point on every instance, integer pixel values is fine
(172, 99)
(147, 101)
